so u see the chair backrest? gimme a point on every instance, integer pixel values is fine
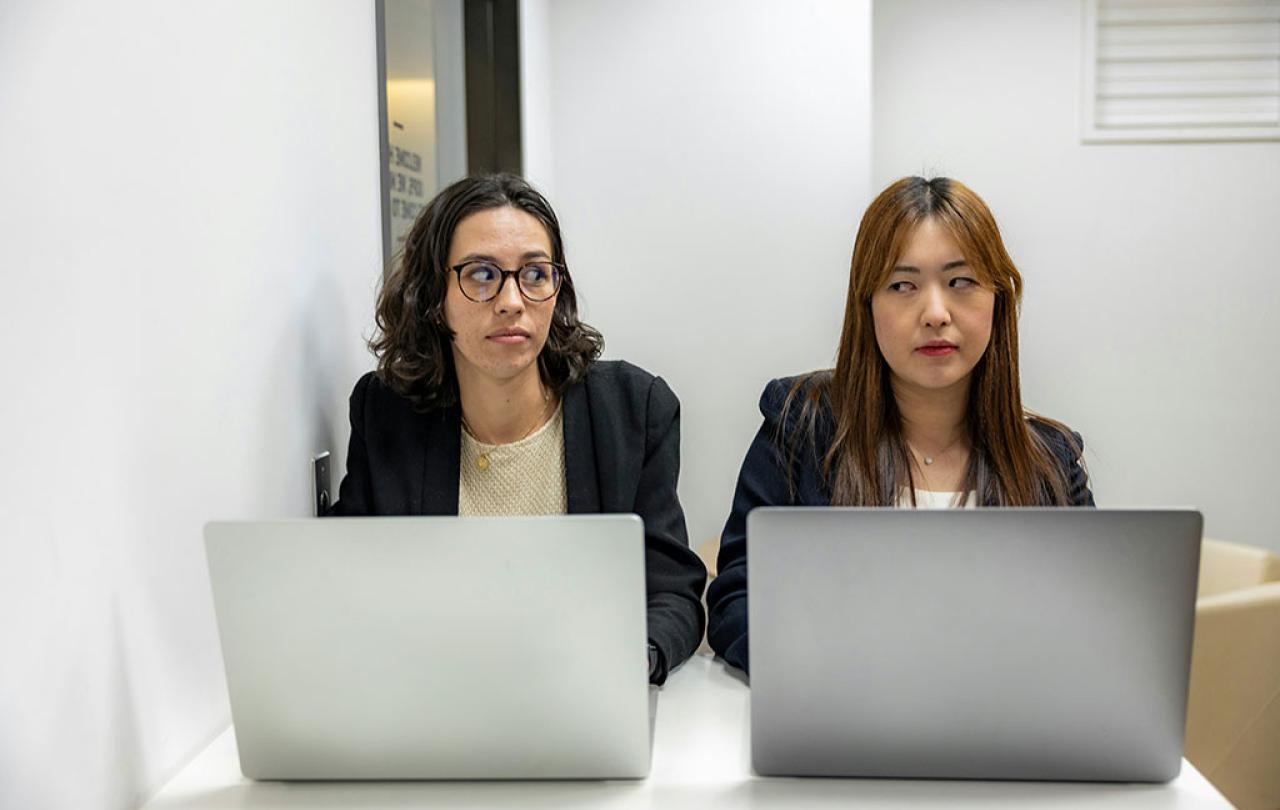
(1233, 719)
(1230, 566)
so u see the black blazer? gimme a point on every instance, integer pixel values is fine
(622, 455)
(763, 482)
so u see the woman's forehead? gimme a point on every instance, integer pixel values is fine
(929, 244)
(505, 229)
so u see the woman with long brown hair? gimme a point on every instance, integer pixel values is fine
(489, 398)
(923, 407)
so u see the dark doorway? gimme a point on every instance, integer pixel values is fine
(493, 86)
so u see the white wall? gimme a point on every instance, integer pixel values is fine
(537, 129)
(1149, 317)
(189, 243)
(708, 161)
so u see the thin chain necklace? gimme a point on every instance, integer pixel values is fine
(928, 460)
(482, 460)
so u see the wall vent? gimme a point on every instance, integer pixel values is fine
(1181, 70)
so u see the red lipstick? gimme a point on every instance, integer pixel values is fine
(937, 348)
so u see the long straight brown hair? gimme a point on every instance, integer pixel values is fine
(866, 462)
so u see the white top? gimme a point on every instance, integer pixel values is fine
(929, 499)
(701, 761)
(520, 478)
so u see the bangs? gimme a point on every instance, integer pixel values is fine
(970, 247)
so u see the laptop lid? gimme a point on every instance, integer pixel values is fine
(436, 647)
(988, 644)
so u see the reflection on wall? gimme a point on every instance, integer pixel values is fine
(411, 164)
(411, 112)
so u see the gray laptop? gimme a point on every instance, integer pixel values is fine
(435, 648)
(986, 644)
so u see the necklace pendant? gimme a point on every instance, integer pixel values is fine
(928, 460)
(482, 462)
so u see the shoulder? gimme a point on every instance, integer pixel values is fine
(1067, 448)
(617, 382)
(370, 389)
(373, 400)
(782, 403)
(618, 374)
(1066, 444)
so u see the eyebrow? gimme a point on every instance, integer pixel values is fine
(956, 265)
(484, 257)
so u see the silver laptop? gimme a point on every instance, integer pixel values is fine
(435, 648)
(987, 644)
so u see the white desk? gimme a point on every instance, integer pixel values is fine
(701, 759)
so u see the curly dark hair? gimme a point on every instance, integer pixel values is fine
(413, 342)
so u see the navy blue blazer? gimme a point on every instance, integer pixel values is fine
(764, 482)
(622, 455)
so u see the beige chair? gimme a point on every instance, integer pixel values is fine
(708, 552)
(1233, 709)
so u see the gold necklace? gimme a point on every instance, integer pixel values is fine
(482, 460)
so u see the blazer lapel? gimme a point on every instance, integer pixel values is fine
(442, 452)
(583, 490)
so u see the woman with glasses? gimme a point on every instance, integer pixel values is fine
(923, 408)
(489, 399)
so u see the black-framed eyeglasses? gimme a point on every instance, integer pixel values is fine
(481, 281)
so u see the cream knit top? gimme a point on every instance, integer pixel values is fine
(521, 478)
(928, 499)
